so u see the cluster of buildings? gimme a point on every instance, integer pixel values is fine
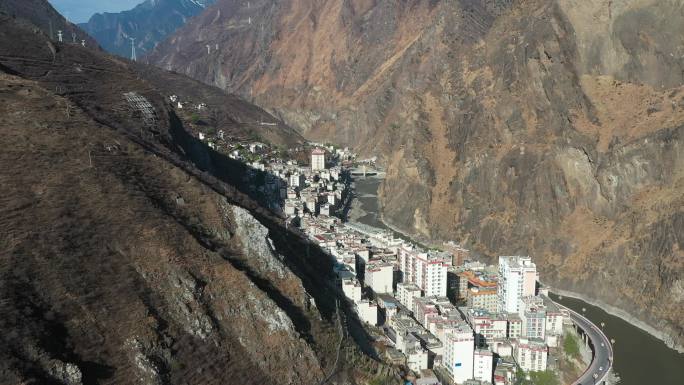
(449, 320)
(467, 324)
(288, 188)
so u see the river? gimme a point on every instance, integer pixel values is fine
(640, 358)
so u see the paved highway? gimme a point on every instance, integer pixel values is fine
(603, 351)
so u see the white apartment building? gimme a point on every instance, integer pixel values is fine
(379, 276)
(554, 319)
(459, 351)
(531, 355)
(417, 359)
(483, 365)
(517, 279)
(325, 210)
(533, 316)
(351, 289)
(297, 180)
(367, 311)
(428, 270)
(406, 293)
(487, 326)
(317, 160)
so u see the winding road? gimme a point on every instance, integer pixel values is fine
(602, 350)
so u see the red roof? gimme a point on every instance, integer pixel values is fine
(317, 151)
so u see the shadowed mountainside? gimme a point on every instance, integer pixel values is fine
(42, 15)
(548, 127)
(128, 253)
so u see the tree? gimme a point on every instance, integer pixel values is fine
(570, 346)
(546, 377)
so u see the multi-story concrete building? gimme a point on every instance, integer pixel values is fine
(461, 285)
(423, 307)
(531, 355)
(406, 293)
(351, 289)
(367, 311)
(325, 209)
(379, 276)
(517, 279)
(487, 326)
(483, 365)
(554, 318)
(297, 180)
(428, 270)
(514, 326)
(459, 351)
(485, 299)
(533, 316)
(317, 159)
(416, 358)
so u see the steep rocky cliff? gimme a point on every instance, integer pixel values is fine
(549, 127)
(124, 259)
(149, 23)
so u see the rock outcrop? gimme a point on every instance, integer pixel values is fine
(548, 127)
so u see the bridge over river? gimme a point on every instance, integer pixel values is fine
(364, 171)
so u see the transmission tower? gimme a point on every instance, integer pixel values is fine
(133, 57)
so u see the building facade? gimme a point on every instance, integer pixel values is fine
(379, 276)
(517, 279)
(531, 355)
(459, 351)
(487, 326)
(427, 270)
(317, 160)
(351, 289)
(406, 293)
(533, 316)
(483, 365)
(485, 299)
(367, 311)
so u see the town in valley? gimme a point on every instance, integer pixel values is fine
(445, 317)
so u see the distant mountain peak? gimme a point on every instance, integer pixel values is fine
(148, 22)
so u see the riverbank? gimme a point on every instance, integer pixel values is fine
(623, 315)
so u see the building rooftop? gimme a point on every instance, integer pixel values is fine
(479, 279)
(517, 261)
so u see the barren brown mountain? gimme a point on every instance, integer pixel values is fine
(129, 254)
(549, 127)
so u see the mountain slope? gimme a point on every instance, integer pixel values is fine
(545, 127)
(128, 253)
(149, 23)
(42, 15)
